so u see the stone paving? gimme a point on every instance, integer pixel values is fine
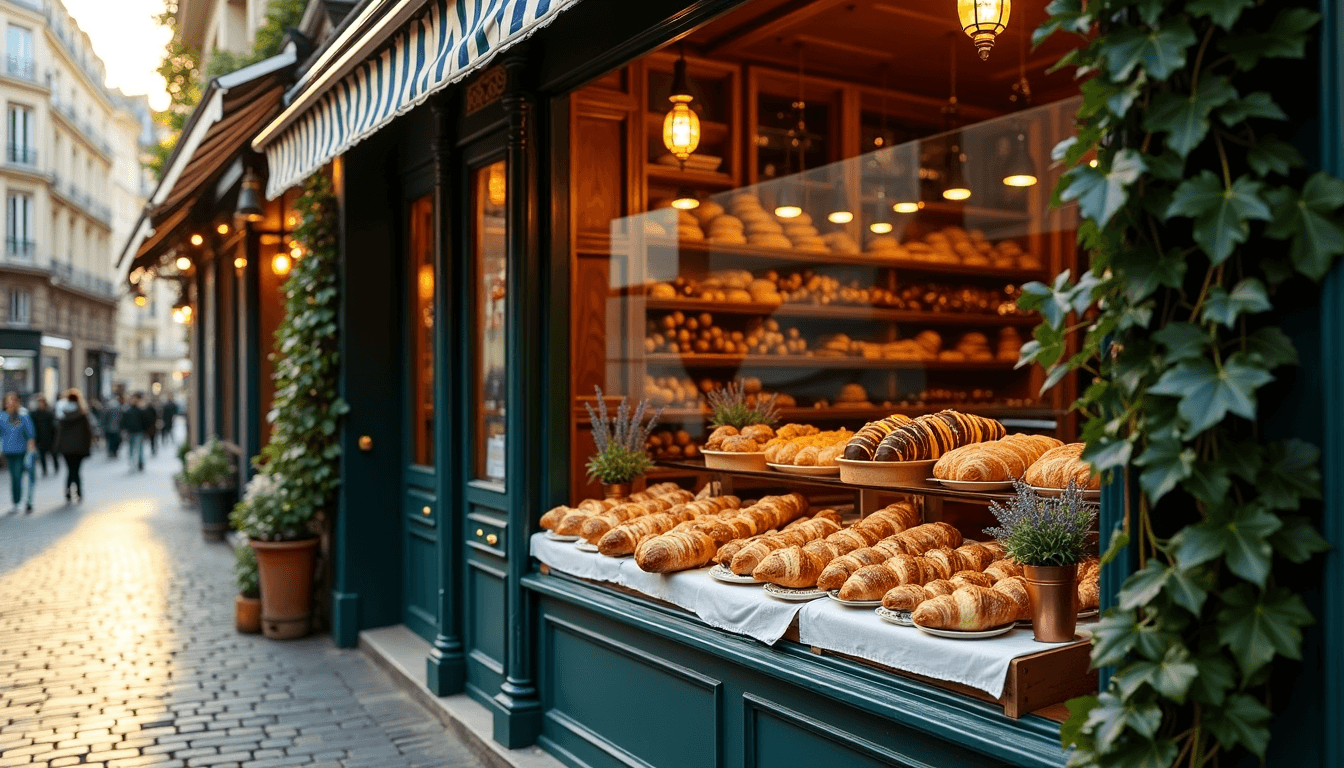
(117, 649)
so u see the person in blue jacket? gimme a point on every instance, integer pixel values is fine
(18, 438)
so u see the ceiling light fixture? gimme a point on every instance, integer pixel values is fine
(183, 263)
(681, 126)
(685, 200)
(982, 20)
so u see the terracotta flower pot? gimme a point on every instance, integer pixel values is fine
(247, 614)
(286, 570)
(1054, 601)
(215, 506)
(617, 491)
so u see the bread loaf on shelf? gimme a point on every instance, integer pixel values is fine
(750, 556)
(931, 435)
(917, 539)
(969, 608)
(594, 526)
(674, 551)
(864, 444)
(993, 461)
(622, 539)
(1057, 466)
(1003, 569)
(1089, 584)
(669, 552)
(552, 520)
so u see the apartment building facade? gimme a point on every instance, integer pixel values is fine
(58, 302)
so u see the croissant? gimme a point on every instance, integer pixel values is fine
(1058, 466)
(841, 568)
(1089, 589)
(791, 566)
(553, 517)
(997, 460)
(969, 609)
(870, 582)
(1003, 569)
(622, 539)
(905, 597)
(864, 442)
(940, 587)
(750, 556)
(1015, 587)
(972, 577)
(976, 556)
(676, 551)
(593, 528)
(948, 561)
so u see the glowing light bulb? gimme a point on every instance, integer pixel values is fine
(281, 264)
(239, 263)
(183, 263)
(840, 217)
(880, 227)
(197, 239)
(907, 207)
(222, 229)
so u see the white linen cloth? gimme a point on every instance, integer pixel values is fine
(980, 664)
(740, 608)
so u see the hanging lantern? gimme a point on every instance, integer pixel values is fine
(841, 214)
(1020, 171)
(685, 200)
(681, 127)
(907, 206)
(183, 263)
(280, 264)
(881, 223)
(249, 198)
(982, 20)
(788, 205)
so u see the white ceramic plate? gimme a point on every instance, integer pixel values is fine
(794, 595)
(810, 471)
(899, 618)
(722, 573)
(553, 536)
(834, 594)
(584, 546)
(974, 485)
(1089, 613)
(959, 634)
(1057, 492)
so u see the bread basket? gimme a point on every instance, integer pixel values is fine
(886, 472)
(743, 462)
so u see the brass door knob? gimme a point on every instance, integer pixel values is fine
(425, 511)
(480, 532)
(365, 443)
(492, 539)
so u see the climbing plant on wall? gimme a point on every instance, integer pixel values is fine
(1199, 222)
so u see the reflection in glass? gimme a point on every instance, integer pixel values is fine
(489, 198)
(421, 331)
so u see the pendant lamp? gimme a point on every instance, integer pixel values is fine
(841, 213)
(983, 20)
(881, 223)
(681, 126)
(249, 198)
(1021, 172)
(789, 203)
(685, 200)
(956, 188)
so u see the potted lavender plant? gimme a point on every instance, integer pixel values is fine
(621, 456)
(1048, 537)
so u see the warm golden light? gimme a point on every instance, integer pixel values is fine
(197, 239)
(239, 263)
(956, 193)
(686, 201)
(880, 227)
(183, 263)
(497, 185)
(907, 207)
(424, 282)
(840, 217)
(141, 301)
(1020, 180)
(178, 317)
(788, 211)
(280, 264)
(681, 128)
(222, 229)
(186, 311)
(982, 20)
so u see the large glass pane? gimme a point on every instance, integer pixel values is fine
(489, 194)
(421, 290)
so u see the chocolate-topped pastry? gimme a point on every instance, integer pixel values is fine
(864, 443)
(930, 436)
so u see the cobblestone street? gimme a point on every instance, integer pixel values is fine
(117, 649)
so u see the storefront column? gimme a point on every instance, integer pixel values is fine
(445, 669)
(251, 414)
(518, 721)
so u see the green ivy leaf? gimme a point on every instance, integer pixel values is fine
(1224, 13)
(1144, 270)
(1208, 482)
(1285, 38)
(1100, 194)
(1168, 166)
(1272, 347)
(1243, 458)
(1113, 638)
(1217, 676)
(1107, 453)
(1071, 730)
(1142, 753)
(1256, 626)
(1184, 341)
(1114, 715)
(1208, 393)
(1165, 463)
(1257, 104)
(1240, 536)
(1310, 221)
(1144, 585)
(1246, 297)
(1189, 588)
(1066, 15)
(1241, 720)
(1159, 51)
(1272, 155)
(1222, 215)
(1185, 118)
(1298, 540)
(1118, 541)
(1171, 677)
(1290, 474)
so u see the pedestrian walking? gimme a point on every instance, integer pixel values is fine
(169, 418)
(151, 426)
(133, 424)
(111, 422)
(44, 421)
(74, 440)
(17, 439)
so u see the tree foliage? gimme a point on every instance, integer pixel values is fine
(1199, 222)
(180, 70)
(281, 15)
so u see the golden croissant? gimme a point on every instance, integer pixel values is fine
(969, 609)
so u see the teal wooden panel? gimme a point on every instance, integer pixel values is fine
(485, 630)
(614, 696)
(421, 588)
(777, 735)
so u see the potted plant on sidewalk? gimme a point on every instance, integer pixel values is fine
(1048, 537)
(621, 445)
(186, 492)
(281, 534)
(210, 470)
(247, 605)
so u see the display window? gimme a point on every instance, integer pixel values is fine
(490, 273)
(826, 223)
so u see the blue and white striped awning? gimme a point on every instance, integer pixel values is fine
(446, 43)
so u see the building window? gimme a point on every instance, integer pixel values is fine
(19, 47)
(20, 306)
(22, 136)
(19, 227)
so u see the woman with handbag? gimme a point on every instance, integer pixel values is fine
(18, 438)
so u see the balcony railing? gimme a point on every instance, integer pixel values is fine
(65, 273)
(19, 250)
(84, 126)
(21, 155)
(20, 67)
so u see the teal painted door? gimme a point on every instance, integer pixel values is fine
(420, 508)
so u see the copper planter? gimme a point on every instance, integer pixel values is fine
(1054, 601)
(616, 491)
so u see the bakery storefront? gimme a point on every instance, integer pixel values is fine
(832, 206)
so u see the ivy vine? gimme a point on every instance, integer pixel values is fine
(1199, 222)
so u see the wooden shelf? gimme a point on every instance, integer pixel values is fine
(694, 179)
(840, 312)
(778, 255)
(663, 359)
(839, 412)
